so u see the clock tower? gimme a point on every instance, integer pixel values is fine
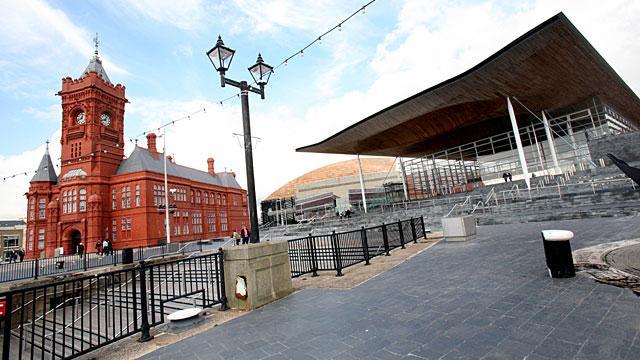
(92, 123)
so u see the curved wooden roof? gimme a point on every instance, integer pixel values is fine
(332, 171)
(550, 67)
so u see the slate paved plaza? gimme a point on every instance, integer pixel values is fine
(489, 298)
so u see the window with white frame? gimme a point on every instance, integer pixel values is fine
(137, 194)
(211, 222)
(158, 195)
(196, 221)
(114, 199)
(30, 244)
(32, 209)
(82, 195)
(40, 239)
(198, 197)
(223, 221)
(114, 230)
(42, 205)
(126, 197)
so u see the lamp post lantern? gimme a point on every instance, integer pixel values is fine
(220, 57)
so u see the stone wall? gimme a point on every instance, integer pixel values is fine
(625, 147)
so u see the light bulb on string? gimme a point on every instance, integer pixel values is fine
(340, 27)
(302, 53)
(320, 40)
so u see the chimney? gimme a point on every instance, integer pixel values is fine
(170, 158)
(151, 143)
(210, 167)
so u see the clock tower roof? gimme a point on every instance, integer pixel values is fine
(95, 64)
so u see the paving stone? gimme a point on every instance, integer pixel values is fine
(488, 298)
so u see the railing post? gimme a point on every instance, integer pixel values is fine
(336, 253)
(84, 261)
(144, 305)
(413, 232)
(365, 245)
(385, 239)
(36, 268)
(223, 292)
(6, 333)
(424, 231)
(401, 234)
(312, 256)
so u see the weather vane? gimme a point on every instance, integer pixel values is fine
(96, 42)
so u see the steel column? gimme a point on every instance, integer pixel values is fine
(552, 146)
(516, 135)
(364, 199)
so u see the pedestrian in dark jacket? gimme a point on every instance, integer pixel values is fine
(244, 234)
(509, 175)
(21, 255)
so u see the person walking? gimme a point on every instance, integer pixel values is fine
(505, 176)
(80, 249)
(110, 245)
(509, 175)
(244, 234)
(21, 255)
(236, 237)
(99, 247)
(105, 247)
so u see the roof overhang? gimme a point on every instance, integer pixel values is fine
(552, 66)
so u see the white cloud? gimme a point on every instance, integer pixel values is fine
(14, 204)
(184, 14)
(37, 38)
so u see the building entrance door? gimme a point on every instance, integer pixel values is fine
(76, 239)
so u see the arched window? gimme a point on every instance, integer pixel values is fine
(192, 196)
(198, 197)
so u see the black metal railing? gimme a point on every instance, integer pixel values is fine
(69, 318)
(32, 269)
(337, 251)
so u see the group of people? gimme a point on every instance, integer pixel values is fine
(243, 236)
(507, 177)
(344, 214)
(104, 247)
(14, 255)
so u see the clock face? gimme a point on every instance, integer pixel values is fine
(80, 118)
(105, 119)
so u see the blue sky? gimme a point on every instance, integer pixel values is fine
(156, 48)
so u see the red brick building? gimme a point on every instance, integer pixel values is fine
(100, 194)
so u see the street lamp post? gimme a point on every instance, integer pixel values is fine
(221, 56)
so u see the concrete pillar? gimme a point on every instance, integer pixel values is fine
(516, 134)
(552, 146)
(264, 267)
(364, 199)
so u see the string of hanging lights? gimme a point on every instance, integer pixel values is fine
(301, 53)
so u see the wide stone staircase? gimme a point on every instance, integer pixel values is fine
(598, 192)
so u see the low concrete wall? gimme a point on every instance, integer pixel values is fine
(267, 271)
